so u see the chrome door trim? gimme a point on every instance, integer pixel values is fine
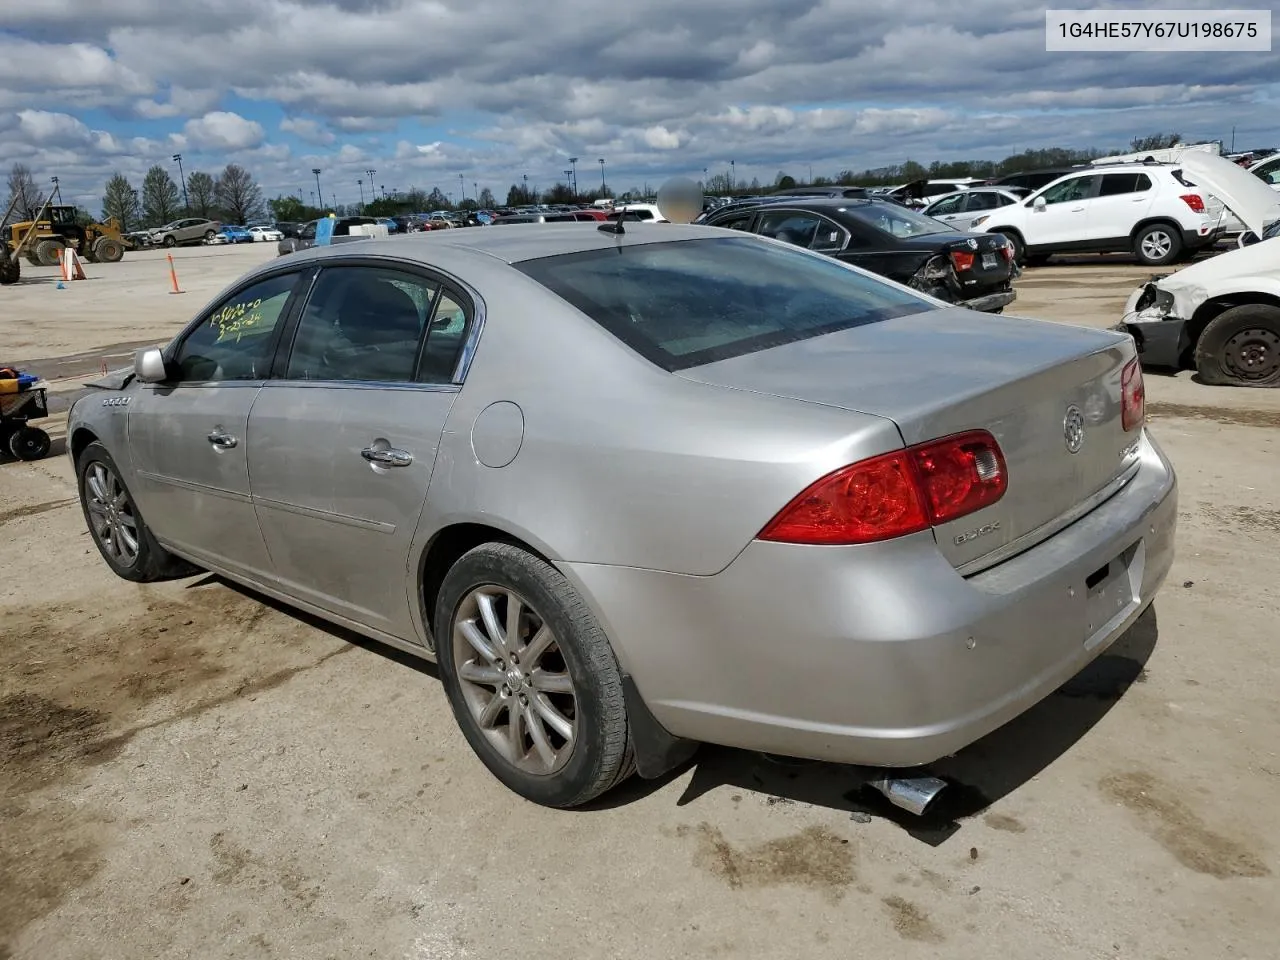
(377, 526)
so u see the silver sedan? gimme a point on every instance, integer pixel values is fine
(635, 492)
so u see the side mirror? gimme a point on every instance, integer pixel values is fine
(1039, 204)
(148, 365)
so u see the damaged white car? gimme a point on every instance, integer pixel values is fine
(1221, 316)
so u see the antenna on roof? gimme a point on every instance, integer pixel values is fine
(614, 226)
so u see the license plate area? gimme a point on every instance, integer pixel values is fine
(989, 261)
(1111, 590)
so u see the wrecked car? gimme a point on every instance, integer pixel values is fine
(1220, 317)
(973, 270)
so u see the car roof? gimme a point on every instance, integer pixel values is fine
(456, 248)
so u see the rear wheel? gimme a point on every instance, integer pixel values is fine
(1241, 347)
(10, 270)
(48, 253)
(1157, 245)
(119, 532)
(109, 250)
(531, 677)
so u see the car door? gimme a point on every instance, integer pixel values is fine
(950, 209)
(188, 436)
(1122, 200)
(343, 439)
(1063, 220)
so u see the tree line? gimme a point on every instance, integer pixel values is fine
(233, 195)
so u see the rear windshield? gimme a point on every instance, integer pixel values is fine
(897, 221)
(686, 303)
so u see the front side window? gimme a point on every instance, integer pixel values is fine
(797, 228)
(895, 220)
(737, 221)
(1077, 188)
(362, 323)
(681, 304)
(236, 340)
(1268, 172)
(949, 205)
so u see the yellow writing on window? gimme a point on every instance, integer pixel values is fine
(238, 319)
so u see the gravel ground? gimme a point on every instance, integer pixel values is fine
(187, 770)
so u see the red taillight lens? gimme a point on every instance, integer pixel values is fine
(1133, 396)
(876, 499)
(1194, 201)
(962, 259)
(1007, 252)
(960, 474)
(896, 494)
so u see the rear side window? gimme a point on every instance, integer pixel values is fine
(1114, 184)
(687, 303)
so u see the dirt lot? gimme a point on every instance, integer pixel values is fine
(189, 771)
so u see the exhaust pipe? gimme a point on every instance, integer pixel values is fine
(913, 794)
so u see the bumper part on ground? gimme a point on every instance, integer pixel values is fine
(1161, 342)
(883, 654)
(992, 301)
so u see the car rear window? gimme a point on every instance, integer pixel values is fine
(686, 303)
(897, 221)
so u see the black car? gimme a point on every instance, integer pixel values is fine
(1033, 180)
(974, 270)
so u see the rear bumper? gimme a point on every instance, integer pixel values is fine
(992, 301)
(883, 654)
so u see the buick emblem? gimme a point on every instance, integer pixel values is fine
(1073, 429)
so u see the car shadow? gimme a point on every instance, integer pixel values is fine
(394, 654)
(977, 776)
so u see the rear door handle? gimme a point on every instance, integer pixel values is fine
(223, 441)
(387, 457)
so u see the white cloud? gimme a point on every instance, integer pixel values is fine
(309, 130)
(223, 130)
(43, 127)
(660, 138)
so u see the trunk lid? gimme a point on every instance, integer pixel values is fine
(989, 266)
(949, 370)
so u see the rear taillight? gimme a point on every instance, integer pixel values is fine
(896, 494)
(1194, 201)
(962, 259)
(1007, 251)
(1133, 396)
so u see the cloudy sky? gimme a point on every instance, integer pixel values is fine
(428, 91)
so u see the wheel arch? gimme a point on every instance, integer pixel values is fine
(1156, 221)
(1212, 307)
(81, 437)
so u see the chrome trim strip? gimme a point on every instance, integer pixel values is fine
(1047, 530)
(377, 526)
(361, 385)
(196, 487)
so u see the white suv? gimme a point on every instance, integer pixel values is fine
(1149, 209)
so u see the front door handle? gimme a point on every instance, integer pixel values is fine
(223, 441)
(387, 456)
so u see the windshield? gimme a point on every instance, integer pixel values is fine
(897, 221)
(685, 303)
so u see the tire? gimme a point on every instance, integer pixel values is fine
(29, 443)
(209, 235)
(1241, 347)
(150, 561)
(575, 673)
(1019, 248)
(169, 241)
(48, 253)
(1157, 244)
(89, 255)
(10, 270)
(109, 250)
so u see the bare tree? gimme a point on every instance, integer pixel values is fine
(237, 194)
(159, 197)
(120, 200)
(202, 191)
(22, 187)
(1156, 141)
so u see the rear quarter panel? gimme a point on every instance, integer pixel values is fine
(621, 462)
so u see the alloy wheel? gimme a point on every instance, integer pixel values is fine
(1156, 245)
(514, 680)
(111, 515)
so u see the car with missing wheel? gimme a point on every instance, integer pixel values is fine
(637, 487)
(1221, 316)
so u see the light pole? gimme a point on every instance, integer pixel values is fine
(733, 176)
(373, 191)
(526, 187)
(603, 188)
(183, 177)
(360, 184)
(316, 171)
(573, 165)
(462, 185)
(568, 179)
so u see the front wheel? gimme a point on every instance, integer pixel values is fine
(1241, 347)
(10, 270)
(169, 241)
(209, 235)
(109, 250)
(531, 677)
(1157, 245)
(119, 532)
(48, 253)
